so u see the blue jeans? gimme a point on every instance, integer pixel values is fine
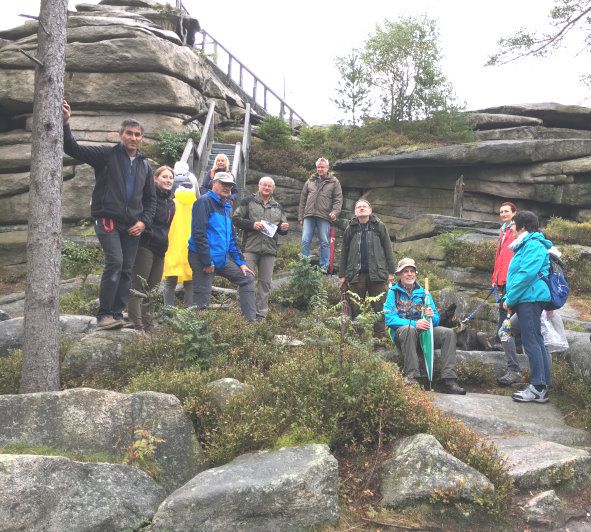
(312, 223)
(529, 315)
(120, 249)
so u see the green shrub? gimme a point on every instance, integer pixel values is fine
(458, 252)
(287, 254)
(578, 271)
(80, 260)
(305, 281)
(169, 146)
(275, 132)
(562, 231)
(574, 392)
(292, 161)
(10, 371)
(80, 301)
(313, 138)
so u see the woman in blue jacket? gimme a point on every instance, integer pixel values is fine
(526, 295)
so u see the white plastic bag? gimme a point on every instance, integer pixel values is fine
(553, 332)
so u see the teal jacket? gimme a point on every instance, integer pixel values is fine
(401, 310)
(530, 258)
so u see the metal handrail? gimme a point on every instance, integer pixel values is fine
(205, 143)
(262, 108)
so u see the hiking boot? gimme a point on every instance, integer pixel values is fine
(509, 378)
(105, 323)
(451, 386)
(531, 395)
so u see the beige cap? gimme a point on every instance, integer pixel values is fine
(224, 177)
(405, 263)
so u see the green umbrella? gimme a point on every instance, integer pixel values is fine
(426, 336)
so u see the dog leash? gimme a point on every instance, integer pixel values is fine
(494, 291)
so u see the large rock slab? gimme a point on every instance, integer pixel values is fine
(289, 489)
(89, 420)
(532, 132)
(53, 494)
(553, 114)
(428, 225)
(493, 121)
(478, 153)
(11, 331)
(579, 353)
(113, 90)
(498, 415)
(535, 463)
(420, 465)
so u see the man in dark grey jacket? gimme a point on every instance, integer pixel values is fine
(367, 262)
(123, 204)
(321, 201)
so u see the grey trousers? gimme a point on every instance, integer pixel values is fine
(202, 283)
(406, 339)
(170, 283)
(510, 348)
(149, 267)
(263, 265)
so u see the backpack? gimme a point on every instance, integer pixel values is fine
(557, 283)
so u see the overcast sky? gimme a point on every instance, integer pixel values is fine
(291, 46)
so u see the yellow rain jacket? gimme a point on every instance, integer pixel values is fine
(176, 260)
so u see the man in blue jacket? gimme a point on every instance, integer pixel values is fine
(403, 309)
(213, 249)
(123, 204)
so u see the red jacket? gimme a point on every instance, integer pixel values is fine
(503, 257)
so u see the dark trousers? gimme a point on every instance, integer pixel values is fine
(149, 267)
(363, 286)
(120, 249)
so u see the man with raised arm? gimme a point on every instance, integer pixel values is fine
(123, 204)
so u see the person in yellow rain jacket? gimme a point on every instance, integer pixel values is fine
(176, 261)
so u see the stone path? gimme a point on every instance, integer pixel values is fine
(539, 447)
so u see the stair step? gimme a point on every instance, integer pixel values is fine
(495, 415)
(535, 463)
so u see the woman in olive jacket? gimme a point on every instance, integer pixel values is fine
(367, 261)
(149, 260)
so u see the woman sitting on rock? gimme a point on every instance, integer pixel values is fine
(149, 260)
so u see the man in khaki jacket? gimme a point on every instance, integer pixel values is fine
(321, 201)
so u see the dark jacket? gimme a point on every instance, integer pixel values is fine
(252, 209)
(212, 236)
(109, 198)
(379, 251)
(155, 237)
(320, 197)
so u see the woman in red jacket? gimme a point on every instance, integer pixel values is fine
(503, 257)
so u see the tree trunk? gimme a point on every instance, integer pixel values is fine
(41, 347)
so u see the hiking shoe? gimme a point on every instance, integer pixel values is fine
(531, 395)
(451, 386)
(106, 323)
(509, 378)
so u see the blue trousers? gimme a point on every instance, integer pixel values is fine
(529, 315)
(322, 226)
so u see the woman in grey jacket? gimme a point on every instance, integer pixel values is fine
(367, 261)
